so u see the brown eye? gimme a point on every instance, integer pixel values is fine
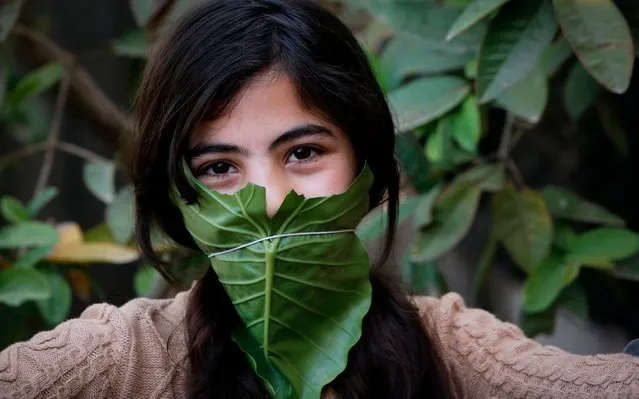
(303, 153)
(218, 168)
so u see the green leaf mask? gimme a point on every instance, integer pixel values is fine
(302, 298)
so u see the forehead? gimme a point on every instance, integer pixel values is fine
(266, 107)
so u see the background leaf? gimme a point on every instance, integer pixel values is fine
(546, 282)
(475, 11)
(408, 55)
(99, 178)
(143, 280)
(488, 177)
(601, 39)
(32, 257)
(528, 98)
(41, 199)
(13, 210)
(144, 10)
(555, 56)
(133, 44)
(426, 99)
(34, 82)
(20, 285)
(375, 223)
(603, 245)
(467, 125)
(514, 44)
(453, 216)
(27, 234)
(120, 215)
(580, 92)
(9, 11)
(568, 205)
(56, 307)
(522, 223)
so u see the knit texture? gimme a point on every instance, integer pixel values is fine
(138, 351)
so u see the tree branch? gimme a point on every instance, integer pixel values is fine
(91, 97)
(54, 132)
(23, 152)
(81, 152)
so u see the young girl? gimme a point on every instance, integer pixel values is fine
(262, 140)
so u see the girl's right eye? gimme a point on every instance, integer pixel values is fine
(217, 169)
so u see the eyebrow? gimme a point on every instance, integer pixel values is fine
(295, 133)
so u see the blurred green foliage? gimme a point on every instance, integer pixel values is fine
(445, 66)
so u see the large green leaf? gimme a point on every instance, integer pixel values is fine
(555, 56)
(303, 298)
(408, 55)
(523, 224)
(429, 21)
(475, 11)
(56, 307)
(99, 178)
(9, 11)
(426, 99)
(119, 215)
(34, 82)
(513, 46)
(13, 210)
(601, 38)
(40, 200)
(528, 98)
(580, 92)
(20, 285)
(453, 216)
(467, 125)
(545, 283)
(27, 234)
(599, 247)
(568, 205)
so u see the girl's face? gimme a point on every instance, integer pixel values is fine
(269, 139)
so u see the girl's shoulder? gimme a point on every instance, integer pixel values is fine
(135, 350)
(486, 357)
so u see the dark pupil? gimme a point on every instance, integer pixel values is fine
(220, 167)
(302, 153)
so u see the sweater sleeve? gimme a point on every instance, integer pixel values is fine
(77, 359)
(487, 358)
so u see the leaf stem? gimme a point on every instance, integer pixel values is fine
(54, 132)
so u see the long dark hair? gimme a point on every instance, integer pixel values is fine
(195, 73)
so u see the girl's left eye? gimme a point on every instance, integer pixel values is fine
(305, 153)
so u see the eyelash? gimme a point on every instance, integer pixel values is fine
(318, 152)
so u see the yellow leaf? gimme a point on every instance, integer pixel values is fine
(69, 233)
(93, 252)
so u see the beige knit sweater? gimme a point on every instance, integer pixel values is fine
(138, 351)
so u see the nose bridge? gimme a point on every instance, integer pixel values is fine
(277, 186)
